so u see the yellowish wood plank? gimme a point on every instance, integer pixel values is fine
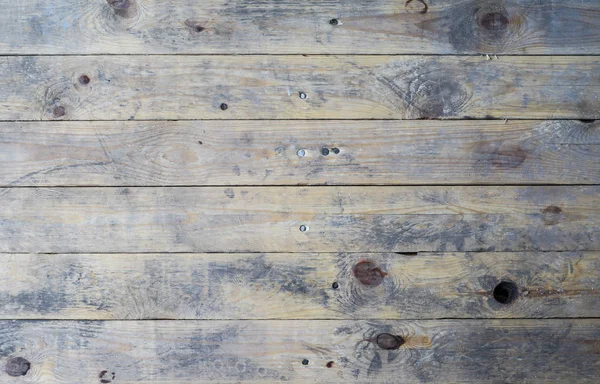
(291, 153)
(297, 87)
(295, 219)
(300, 26)
(300, 286)
(65, 352)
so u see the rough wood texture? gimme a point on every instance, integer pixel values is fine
(267, 153)
(300, 26)
(334, 351)
(270, 87)
(255, 219)
(298, 286)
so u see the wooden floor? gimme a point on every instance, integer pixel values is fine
(308, 191)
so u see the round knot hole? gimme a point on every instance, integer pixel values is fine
(505, 292)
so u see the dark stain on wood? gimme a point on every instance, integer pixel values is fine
(58, 111)
(388, 341)
(17, 366)
(483, 25)
(123, 8)
(84, 80)
(106, 377)
(369, 273)
(552, 215)
(230, 193)
(500, 154)
(194, 26)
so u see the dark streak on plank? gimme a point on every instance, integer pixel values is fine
(174, 351)
(347, 219)
(300, 26)
(270, 87)
(299, 286)
(267, 153)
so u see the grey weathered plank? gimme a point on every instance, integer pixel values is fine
(65, 352)
(298, 286)
(266, 153)
(300, 26)
(269, 87)
(268, 219)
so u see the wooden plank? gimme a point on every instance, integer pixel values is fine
(267, 153)
(274, 351)
(299, 286)
(297, 87)
(300, 26)
(268, 219)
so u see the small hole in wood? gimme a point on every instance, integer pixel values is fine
(198, 28)
(305, 362)
(325, 151)
(505, 292)
(84, 79)
(335, 285)
(335, 150)
(224, 107)
(329, 364)
(200, 142)
(334, 22)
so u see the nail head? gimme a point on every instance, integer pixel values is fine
(302, 95)
(325, 151)
(301, 152)
(303, 228)
(224, 107)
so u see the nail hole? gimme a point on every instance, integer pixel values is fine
(199, 142)
(58, 111)
(305, 362)
(302, 95)
(505, 292)
(84, 79)
(17, 366)
(336, 150)
(198, 28)
(224, 107)
(389, 342)
(329, 364)
(325, 151)
(303, 228)
(335, 285)
(301, 152)
(334, 22)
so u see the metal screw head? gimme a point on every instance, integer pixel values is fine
(325, 151)
(301, 152)
(224, 107)
(302, 95)
(303, 228)
(335, 285)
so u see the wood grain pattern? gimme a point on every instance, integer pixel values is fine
(262, 219)
(266, 153)
(335, 351)
(298, 286)
(300, 26)
(269, 87)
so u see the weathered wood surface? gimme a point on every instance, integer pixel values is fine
(334, 351)
(267, 153)
(300, 26)
(263, 219)
(298, 87)
(298, 286)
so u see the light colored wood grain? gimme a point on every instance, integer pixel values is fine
(272, 351)
(298, 286)
(300, 26)
(263, 219)
(266, 153)
(269, 87)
